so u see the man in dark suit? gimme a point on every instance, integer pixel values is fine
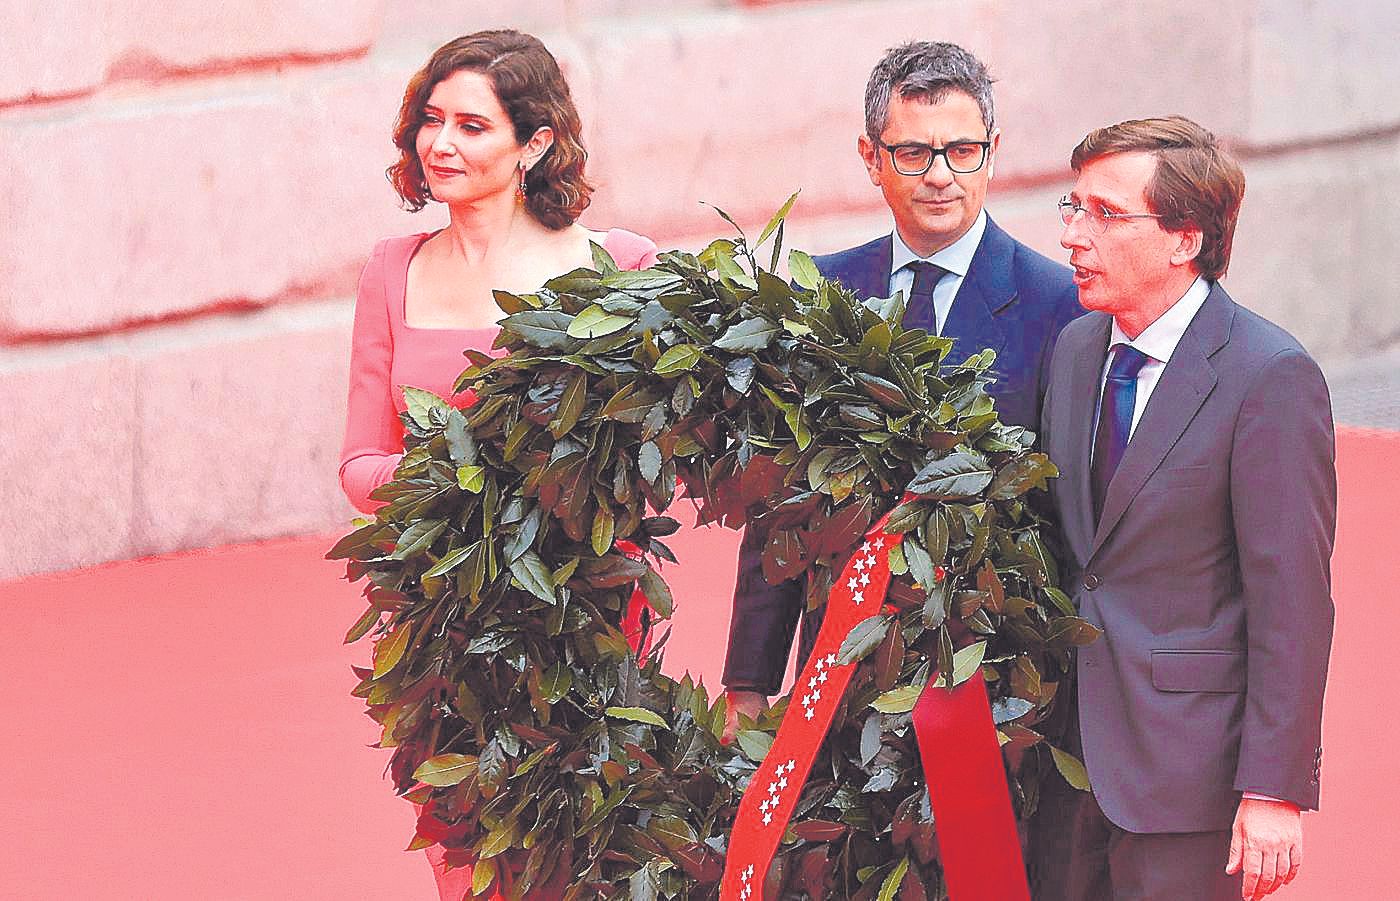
(930, 146)
(1197, 494)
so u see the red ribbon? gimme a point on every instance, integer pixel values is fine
(961, 756)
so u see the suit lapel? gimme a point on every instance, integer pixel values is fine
(1084, 390)
(987, 289)
(866, 271)
(1185, 383)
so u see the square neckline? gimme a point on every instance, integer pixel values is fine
(423, 238)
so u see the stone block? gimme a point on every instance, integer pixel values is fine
(419, 26)
(1315, 246)
(65, 48)
(1063, 69)
(740, 109)
(235, 194)
(1322, 69)
(52, 49)
(241, 419)
(67, 459)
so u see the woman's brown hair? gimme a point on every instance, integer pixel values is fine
(533, 93)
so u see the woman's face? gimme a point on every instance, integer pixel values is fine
(467, 144)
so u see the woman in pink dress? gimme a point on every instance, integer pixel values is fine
(487, 127)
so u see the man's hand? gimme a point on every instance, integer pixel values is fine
(1267, 843)
(749, 703)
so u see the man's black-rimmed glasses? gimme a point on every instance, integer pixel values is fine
(961, 157)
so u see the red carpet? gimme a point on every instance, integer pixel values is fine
(180, 728)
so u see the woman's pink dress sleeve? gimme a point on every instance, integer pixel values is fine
(372, 429)
(630, 250)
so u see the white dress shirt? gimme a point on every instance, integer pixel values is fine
(956, 258)
(1158, 341)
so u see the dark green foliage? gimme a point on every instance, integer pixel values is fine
(544, 752)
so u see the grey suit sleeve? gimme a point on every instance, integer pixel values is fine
(762, 625)
(1283, 493)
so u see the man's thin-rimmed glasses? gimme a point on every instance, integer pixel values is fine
(961, 157)
(1096, 218)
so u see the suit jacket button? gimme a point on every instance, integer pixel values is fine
(1091, 581)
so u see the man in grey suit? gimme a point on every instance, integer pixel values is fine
(1197, 494)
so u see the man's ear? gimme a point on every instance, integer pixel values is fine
(995, 138)
(537, 146)
(1188, 247)
(870, 155)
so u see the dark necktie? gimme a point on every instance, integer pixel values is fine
(1115, 419)
(919, 312)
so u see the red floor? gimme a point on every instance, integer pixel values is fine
(180, 728)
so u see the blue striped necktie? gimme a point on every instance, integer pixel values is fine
(1115, 419)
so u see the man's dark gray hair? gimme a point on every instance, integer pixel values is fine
(926, 70)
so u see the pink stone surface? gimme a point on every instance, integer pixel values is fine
(239, 430)
(132, 211)
(1323, 69)
(67, 460)
(76, 45)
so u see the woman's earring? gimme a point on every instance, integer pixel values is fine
(520, 188)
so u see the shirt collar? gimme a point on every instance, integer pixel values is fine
(956, 257)
(1159, 340)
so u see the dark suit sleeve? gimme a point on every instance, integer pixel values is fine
(1283, 493)
(1066, 310)
(762, 624)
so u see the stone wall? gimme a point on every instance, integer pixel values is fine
(190, 190)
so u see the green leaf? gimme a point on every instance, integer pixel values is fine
(864, 637)
(1020, 475)
(1071, 768)
(636, 715)
(748, 336)
(556, 682)
(529, 570)
(1004, 710)
(595, 322)
(571, 406)
(548, 329)
(966, 662)
(450, 562)
(471, 478)
(777, 220)
(645, 883)
(417, 538)
(650, 280)
(445, 769)
(601, 535)
(1060, 600)
(957, 475)
(602, 260)
(898, 700)
(754, 744)
(649, 461)
(421, 402)
(890, 886)
(681, 358)
(483, 876)
(389, 650)
(803, 270)
(657, 593)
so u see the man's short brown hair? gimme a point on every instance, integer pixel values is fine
(1197, 183)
